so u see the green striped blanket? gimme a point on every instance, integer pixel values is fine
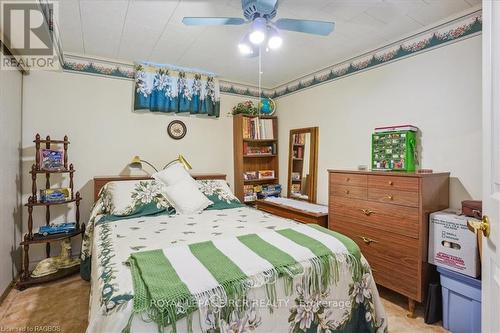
(173, 282)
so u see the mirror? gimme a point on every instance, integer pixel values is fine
(303, 164)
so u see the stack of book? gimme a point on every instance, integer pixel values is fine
(258, 128)
(252, 193)
(249, 150)
(249, 193)
(299, 139)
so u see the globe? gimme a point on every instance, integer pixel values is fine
(267, 106)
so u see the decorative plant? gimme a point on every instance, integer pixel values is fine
(246, 107)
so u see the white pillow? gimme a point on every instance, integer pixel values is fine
(173, 174)
(186, 198)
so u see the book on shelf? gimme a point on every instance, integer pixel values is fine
(250, 150)
(295, 188)
(298, 152)
(299, 139)
(258, 128)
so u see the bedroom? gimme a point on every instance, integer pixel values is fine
(321, 93)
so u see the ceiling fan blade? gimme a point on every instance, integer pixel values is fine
(321, 28)
(213, 20)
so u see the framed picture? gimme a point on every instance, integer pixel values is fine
(51, 159)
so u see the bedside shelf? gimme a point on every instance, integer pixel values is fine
(56, 142)
(30, 238)
(52, 171)
(53, 203)
(38, 238)
(29, 281)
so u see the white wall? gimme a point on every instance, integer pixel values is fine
(439, 91)
(10, 182)
(96, 114)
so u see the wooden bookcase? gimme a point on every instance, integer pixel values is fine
(31, 238)
(244, 162)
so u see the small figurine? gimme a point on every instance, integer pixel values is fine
(51, 265)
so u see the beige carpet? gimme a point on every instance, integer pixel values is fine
(62, 306)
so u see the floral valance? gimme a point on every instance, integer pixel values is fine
(160, 88)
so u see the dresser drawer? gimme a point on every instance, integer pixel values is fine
(354, 192)
(392, 218)
(393, 259)
(393, 182)
(395, 197)
(348, 179)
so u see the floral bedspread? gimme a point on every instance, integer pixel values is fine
(351, 305)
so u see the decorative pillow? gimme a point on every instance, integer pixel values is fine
(186, 197)
(131, 197)
(173, 174)
(219, 193)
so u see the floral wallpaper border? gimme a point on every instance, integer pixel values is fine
(452, 31)
(449, 32)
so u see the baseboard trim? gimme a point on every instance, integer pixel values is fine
(7, 290)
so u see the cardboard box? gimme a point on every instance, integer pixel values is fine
(451, 244)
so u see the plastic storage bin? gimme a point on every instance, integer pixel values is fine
(461, 302)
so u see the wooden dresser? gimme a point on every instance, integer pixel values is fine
(386, 214)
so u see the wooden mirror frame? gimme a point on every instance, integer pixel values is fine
(313, 162)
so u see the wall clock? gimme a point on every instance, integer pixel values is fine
(176, 129)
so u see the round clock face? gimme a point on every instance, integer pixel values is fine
(177, 129)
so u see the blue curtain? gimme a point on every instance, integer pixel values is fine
(162, 89)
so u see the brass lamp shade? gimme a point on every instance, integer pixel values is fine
(136, 163)
(184, 162)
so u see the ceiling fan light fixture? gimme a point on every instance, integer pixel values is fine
(244, 46)
(274, 42)
(245, 49)
(258, 31)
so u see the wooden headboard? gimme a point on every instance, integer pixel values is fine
(100, 181)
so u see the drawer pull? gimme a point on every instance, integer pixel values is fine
(389, 196)
(391, 182)
(347, 179)
(367, 240)
(367, 212)
(347, 191)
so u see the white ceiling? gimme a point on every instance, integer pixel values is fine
(151, 30)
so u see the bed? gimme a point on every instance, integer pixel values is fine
(344, 299)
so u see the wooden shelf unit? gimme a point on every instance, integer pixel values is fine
(244, 163)
(31, 238)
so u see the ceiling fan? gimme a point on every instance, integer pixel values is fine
(259, 14)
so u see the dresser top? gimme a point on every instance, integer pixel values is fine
(391, 173)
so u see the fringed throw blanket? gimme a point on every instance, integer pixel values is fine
(217, 275)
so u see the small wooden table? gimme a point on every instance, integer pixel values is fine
(292, 213)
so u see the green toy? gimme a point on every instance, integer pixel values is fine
(394, 150)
